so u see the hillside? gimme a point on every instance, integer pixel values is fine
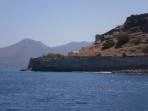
(128, 39)
(19, 54)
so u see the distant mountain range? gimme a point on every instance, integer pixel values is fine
(19, 54)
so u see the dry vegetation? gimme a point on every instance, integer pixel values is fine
(133, 47)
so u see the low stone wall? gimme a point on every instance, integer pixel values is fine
(89, 64)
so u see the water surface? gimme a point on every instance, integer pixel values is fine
(74, 91)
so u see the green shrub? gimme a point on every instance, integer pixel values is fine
(123, 38)
(145, 29)
(102, 38)
(145, 49)
(124, 54)
(137, 41)
(98, 55)
(108, 44)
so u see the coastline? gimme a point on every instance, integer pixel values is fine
(135, 71)
(91, 64)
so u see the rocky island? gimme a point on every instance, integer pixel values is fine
(122, 48)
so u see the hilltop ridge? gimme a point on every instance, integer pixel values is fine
(128, 39)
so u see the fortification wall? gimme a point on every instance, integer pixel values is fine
(89, 64)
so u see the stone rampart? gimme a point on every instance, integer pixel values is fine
(89, 64)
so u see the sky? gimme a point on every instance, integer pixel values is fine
(57, 22)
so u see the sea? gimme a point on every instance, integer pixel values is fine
(72, 91)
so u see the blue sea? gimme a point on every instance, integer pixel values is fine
(72, 91)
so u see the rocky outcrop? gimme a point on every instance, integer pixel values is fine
(133, 23)
(136, 23)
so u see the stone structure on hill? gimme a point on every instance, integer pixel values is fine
(129, 56)
(98, 37)
(135, 27)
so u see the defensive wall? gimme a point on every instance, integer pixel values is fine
(89, 64)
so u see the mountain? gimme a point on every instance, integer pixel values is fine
(129, 39)
(72, 46)
(19, 54)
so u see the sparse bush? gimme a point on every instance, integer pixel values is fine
(145, 50)
(145, 29)
(102, 38)
(82, 48)
(108, 44)
(115, 55)
(124, 54)
(54, 56)
(98, 55)
(137, 41)
(123, 38)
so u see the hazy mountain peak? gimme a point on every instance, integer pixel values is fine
(19, 54)
(26, 40)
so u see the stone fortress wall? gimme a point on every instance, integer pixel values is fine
(89, 64)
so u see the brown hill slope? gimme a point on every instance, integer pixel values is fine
(128, 39)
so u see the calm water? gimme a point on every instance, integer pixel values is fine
(51, 91)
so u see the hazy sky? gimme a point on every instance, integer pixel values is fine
(56, 22)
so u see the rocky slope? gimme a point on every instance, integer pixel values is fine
(108, 44)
